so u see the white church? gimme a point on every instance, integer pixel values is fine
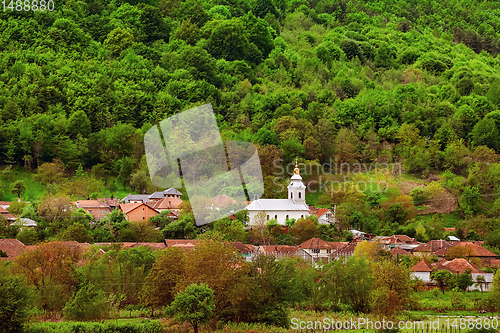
(282, 209)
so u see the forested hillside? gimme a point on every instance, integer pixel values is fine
(411, 82)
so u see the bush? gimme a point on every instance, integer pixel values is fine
(88, 303)
(14, 304)
(145, 326)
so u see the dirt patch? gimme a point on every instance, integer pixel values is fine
(445, 204)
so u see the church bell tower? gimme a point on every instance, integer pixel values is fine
(297, 189)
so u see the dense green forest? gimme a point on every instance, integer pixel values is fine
(414, 82)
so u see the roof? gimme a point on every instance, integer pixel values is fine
(91, 204)
(338, 245)
(433, 246)
(3, 210)
(180, 242)
(128, 207)
(421, 266)
(25, 222)
(157, 195)
(153, 246)
(243, 248)
(166, 203)
(495, 262)
(477, 250)
(136, 197)
(399, 251)
(276, 204)
(398, 239)
(279, 249)
(459, 265)
(346, 250)
(12, 247)
(315, 243)
(110, 202)
(223, 200)
(320, 212)
(172, 191)
(5, 203)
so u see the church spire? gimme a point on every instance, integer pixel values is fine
(296, 171)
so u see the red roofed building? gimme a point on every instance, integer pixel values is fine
(345, 252)
(97, 208)
(138, 212)
(169, 203)
(12, 247)
(422, 270)
(317, 248)
(390, 242)
(433, 247)
(325, 215)
(478, 251)
(399, 252)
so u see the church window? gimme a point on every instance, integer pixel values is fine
(291, 195)
(301, 216)
(287, 217)
(268, 217)
(300, 195)
(275, 217)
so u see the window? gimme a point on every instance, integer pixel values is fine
(287, 217)
(275, 217)
(291, 195)
(268, 217)
(328, 251)
(301, 216)
(315, 250)
(300, 195)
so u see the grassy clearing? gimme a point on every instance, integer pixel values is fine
(34, 189)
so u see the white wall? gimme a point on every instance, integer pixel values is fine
(424, 276)
(281, 215)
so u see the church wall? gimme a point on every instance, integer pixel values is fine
(281, 215)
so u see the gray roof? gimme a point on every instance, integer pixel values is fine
(276, 204)
(137, 197)
(172, 191)
(157, 195)
(25, 222)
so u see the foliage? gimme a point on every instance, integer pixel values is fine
(195, 305)
(88, 303)
(15, 298)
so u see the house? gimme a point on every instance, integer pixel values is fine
(170, 203)
(325, 215)
(317, 248)
(433, 247)
(25, 223)
(136, 198)
(474, 249)
(172, 193)
(113, 203)
(5, 204)
(248, 251)
(344, 253)
(5, 213)
(223, 201)
(398, 252)
(98, 209)
(390, 242)
(423, 271)
(262, 210)
(12, 247)
(138, 212)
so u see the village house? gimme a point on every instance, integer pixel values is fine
(324, 215)
(433, 247)
(12, 248)
(474, 250)
(390, 242)
(172, 204)
(344, 253)
(138, 212)
(317, 248)
(97, 208)
(423, 271)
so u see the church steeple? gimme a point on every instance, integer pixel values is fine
(296, 189)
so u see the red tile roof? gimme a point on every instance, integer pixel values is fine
(421, 266)
(315, 243)
(3, 211)
(459, 265)
(433, 246)
(243, 248)
(12, 247)
(338, 245)
(346, 250)
(180, 242)
(128, 207)
(166, 203)
(477, 250)
(398, 239)
(399, 251)
(223, 200)
(90, 204)
(279, 249)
